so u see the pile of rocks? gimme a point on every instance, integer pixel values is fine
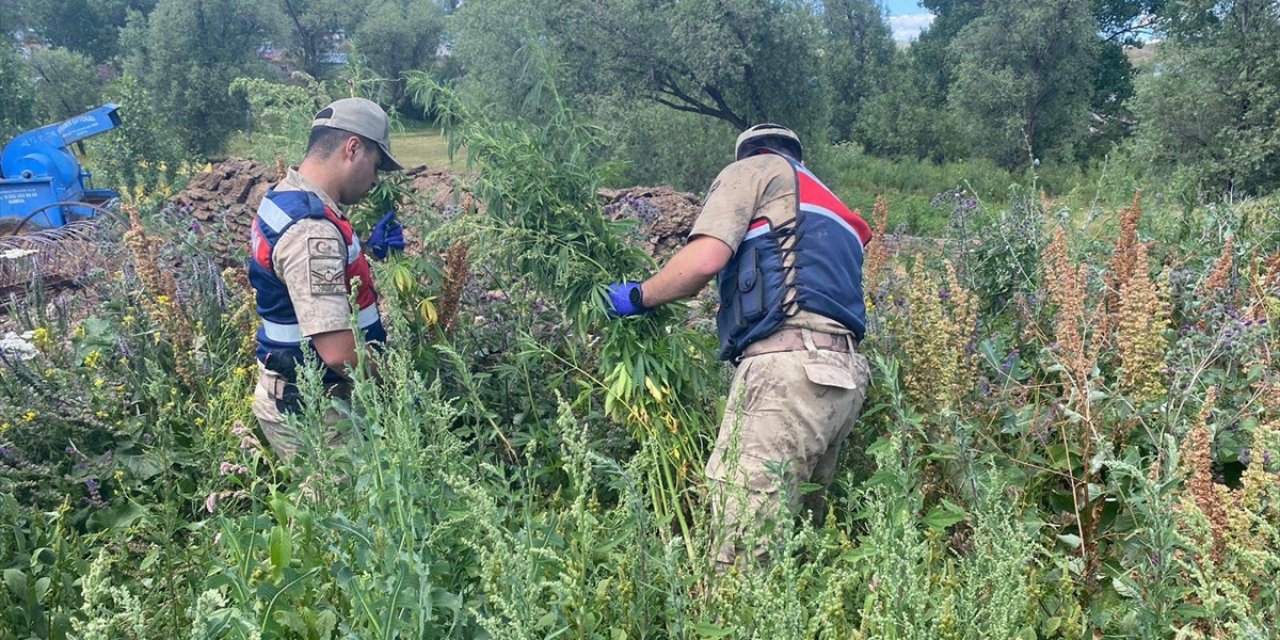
(221, 203)
(665, 215)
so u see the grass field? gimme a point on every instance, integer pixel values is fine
(413, 146)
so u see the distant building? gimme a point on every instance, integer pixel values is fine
(335, 58)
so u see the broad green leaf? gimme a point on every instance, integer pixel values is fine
(281, 546)
(16, 581)
(941, 517)
(708, 630)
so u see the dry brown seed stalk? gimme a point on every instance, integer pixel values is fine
(1066, 289)
(1220, 278)
(455, 276)
(1142, 319)
(1123, 260)
(1198, 460)
(877, 253)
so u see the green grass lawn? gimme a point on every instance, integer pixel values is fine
(413, 146)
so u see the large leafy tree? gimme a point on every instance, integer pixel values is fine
(909, 118)
(91, 27)
(66, 83)
(1122, 24)
(1023, 78)
(1212, 106)
(400, 36)
(187, 52)
(19, 109)
(312, 25)
(859, 56)
(740, 61)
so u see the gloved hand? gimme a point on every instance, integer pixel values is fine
(386, 235)
(626, 299)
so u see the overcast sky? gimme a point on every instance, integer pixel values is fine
(907, 18)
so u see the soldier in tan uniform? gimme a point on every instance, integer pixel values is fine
(306, 262)
(787, 255)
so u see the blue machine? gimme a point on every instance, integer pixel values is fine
(41, 182)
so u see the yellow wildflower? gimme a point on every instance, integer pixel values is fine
(78, 332)
(41, 339)
(162, 299)
(92, 361)
(29, 416)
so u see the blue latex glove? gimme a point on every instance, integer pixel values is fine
(625, 299)
(386, 235)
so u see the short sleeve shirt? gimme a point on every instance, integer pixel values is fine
(760, 186)
(311, 259)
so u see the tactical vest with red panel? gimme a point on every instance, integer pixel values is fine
(279, 333)
(823, 244)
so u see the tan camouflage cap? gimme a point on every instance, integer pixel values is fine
(361, 117)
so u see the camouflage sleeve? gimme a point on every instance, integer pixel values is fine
(311, 260)
(735, 197)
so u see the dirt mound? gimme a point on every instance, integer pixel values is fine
(444, 190)
(221, 203)
(665, 215)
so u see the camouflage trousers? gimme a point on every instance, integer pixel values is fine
(787, 414)
(284, 439)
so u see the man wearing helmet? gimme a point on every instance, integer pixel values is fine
(787, 255)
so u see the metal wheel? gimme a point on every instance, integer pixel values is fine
(9, 228)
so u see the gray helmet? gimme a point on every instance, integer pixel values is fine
(770, 135)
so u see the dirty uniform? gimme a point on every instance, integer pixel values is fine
(791, 317)
(304, 261)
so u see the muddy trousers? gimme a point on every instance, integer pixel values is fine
(785, 419)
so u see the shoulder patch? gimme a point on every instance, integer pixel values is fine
(327, 276)
(324, 248)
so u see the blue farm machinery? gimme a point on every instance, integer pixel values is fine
(48, 209)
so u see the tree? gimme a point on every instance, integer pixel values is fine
(187, 52)
(1121, 24)
(91, 27)
(11, 17)
(18, 113)
(399, 36)
(1023, 80)
(1123, 21)
(142, 152)
(66, 83)
(1211, 107)
(859, 56)
(740, 61)
(909, 117)
(312, 26)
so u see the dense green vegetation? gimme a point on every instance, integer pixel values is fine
(1016, 84)
(1074, 426)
